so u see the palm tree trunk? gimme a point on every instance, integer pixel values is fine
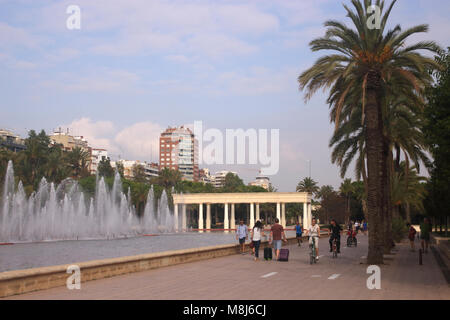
(375, 161)
(408, 212)
(364, 199)
(387, 172)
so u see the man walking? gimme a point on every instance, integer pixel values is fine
(276, 234)
(242, 235)
(425, 230)
(299, 233)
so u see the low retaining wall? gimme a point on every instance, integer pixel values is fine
(28, 280)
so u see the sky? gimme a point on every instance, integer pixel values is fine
(136, 67)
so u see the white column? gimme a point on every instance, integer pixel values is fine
(183, 218)
(283, 215)
(278, 211)
(233, 218)
(257, 212)
(200, 217)
(208, 216)
(225, 217)
(305, 215)
(309, 213)
(175, 216)
(252, 215)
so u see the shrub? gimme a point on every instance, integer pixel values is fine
(399, 229)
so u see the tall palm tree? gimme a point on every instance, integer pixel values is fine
(346, 190)
(403, 120)
(365, 59)
(307, 185)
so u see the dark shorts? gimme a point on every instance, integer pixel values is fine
(425, 237)
(241, 240)
(298, 235)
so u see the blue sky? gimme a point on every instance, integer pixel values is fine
(137, 66)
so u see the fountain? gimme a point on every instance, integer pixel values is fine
(63, 212)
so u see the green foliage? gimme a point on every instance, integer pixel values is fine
(87, 184)
(139, 173)
(104, 168)
(399, 229)
(307, 185)
(437, 130)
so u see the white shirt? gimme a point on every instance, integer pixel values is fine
(314, 230)
(256, 234)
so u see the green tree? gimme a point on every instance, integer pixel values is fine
(232, 183)
(104, 168)
(168, 178)
(138, 171)
(307, 185)
(346, 190)
(78, 160)
(437, 131)
(365, 59)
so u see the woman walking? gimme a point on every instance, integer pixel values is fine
(256, 234)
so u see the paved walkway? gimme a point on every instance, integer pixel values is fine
(239, 277)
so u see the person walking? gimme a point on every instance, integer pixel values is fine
(256, 234)
(242, 235)
(411, 236)
(299, 233)
(425, 230)
(357, 225)
(276, 234)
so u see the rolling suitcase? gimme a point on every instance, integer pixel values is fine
(284, 255)
(268, 253)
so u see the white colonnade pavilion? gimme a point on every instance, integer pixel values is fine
(229, 200)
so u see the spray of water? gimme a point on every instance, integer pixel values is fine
(64, 212)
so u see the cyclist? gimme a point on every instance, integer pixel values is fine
(314, 232)
(335, 234)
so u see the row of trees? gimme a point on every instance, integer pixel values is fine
(378, 84)
(43, 159)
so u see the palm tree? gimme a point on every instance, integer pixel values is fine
(408, 190)
(307, 185)
(403, 134)
(78, 160)
(168, 178)
(346, 190)
(324, 193)
(365, 59)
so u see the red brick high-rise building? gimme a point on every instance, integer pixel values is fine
(178, 151)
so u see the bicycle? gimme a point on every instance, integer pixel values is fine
(312, 254)
(335, 248)
(351, 239)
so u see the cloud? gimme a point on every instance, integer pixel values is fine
(104, 80)
(140, 141)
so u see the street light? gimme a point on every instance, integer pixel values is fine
(309, 161)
